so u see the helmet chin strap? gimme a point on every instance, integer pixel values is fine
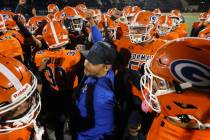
(184, 118)
(179, 87)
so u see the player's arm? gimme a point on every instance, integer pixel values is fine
(26, 33)
(20, 6)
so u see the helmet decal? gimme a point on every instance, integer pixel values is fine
(191, 71)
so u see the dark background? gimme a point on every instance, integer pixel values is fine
(164, 5)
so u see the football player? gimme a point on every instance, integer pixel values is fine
(59, 68)
(20, 102)
(176, 85)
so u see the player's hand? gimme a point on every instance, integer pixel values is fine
(44, 63)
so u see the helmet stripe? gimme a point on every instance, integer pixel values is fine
(10, 76)
(54, 32)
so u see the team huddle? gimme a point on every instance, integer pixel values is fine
(162, 76)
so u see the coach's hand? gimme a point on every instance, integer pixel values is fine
(89, 17)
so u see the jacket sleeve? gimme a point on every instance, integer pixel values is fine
(96, 34)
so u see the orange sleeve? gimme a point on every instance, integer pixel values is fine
(38, 58)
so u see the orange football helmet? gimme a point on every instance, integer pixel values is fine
(129, 12)
(9, 22)
(107, 27)
(157, 12)
(2, 25)
(20, 101)
(176, 17)
(73, 21)
(205, 33)
(55, 35)
(111, 11)
(142, 27)
(59, 16)
(52, 8)
(81, 7)
(35, 22)
(177, 84)
(164, 25)
(203, 16)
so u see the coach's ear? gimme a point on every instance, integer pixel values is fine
(22, 2)
(107, 68)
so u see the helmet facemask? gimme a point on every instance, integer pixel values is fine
(110, 33)
(23, 110)
(153, 86)
(3, 28)
(163, 29)
(74, 24)
(140, 33)
(176, 22)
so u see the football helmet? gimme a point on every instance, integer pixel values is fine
(20, 102)
(177, 84)
(52, 8)
(3, 28)
(164, 25)
(73, 21)
(81, 7)
(55, 35)
(203, 16)
(142, 27)
(111, 11)
(205, 33)
(157, 12)
(36, 22)
(176, 17)
(59, 16)
(9, 22)
(107, 27)
(129, 12)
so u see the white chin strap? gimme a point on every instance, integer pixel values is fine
(200, 125)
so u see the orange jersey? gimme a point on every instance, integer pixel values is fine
(162, 129)
(21, 134)
(182, 30)
(169, 36)
(139, 53)
(15, 34)
(122, 30)
(11, 47)
(135, 55)
(197, 25)
(59, 72)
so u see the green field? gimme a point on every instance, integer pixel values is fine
(189, 19)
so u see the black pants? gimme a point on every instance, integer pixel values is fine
(55, 111)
